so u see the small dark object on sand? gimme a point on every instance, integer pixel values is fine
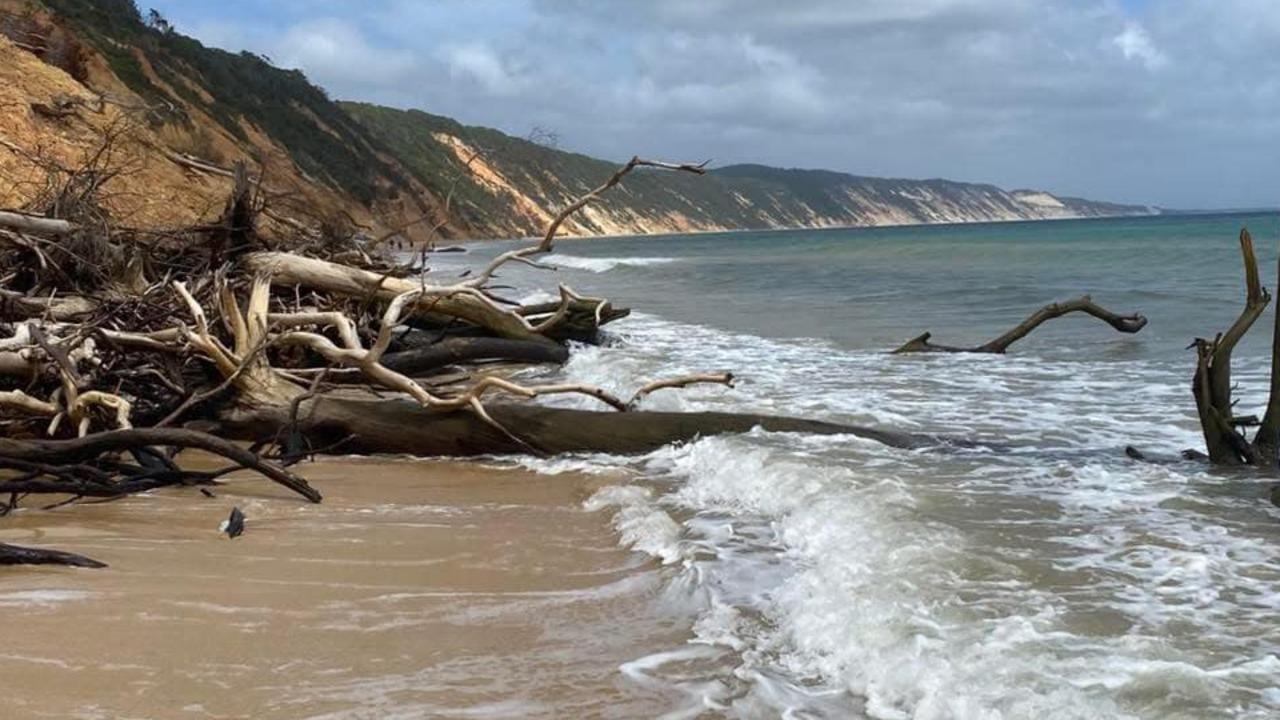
(233, 526)
(207, 493)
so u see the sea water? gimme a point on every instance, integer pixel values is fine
(1038, 574)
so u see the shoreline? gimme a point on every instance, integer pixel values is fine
(893, 226)
(430, 587)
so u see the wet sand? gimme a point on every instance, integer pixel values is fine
(418, 589)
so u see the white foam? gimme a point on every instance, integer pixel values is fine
(42, 598)
(640, 523)
(604, 264)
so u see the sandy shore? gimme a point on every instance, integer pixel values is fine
(417, 590)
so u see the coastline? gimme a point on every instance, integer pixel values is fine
(420, 587)
(836, 228)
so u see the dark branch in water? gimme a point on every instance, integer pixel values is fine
(1122, 323)
(15, 555)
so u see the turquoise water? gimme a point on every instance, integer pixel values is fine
(834, 577)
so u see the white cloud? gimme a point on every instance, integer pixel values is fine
(479, 62)
(1135, 44)
(730, 78)
(337, 51)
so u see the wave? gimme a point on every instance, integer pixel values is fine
(605, 264)
(839, 577)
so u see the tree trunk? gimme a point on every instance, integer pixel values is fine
(359, 426)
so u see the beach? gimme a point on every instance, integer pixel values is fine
(418, 589)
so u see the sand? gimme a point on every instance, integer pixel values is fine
(418, 589)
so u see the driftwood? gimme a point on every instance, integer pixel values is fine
(451, 351)
(1211, 384)
(15, 555)
(362, 426)
(194, 163)
(23, 222)
(1123, 323)
(437, 302)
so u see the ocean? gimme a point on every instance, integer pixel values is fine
(1043, 575)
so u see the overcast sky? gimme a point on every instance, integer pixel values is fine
(1168, 102)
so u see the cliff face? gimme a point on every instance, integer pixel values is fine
(170, 100)
(162, 98)
(512, 181)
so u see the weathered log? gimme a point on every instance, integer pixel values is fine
(15, 555)
(360, 426)
(92, 446)
(1123, 323)
(451, 351)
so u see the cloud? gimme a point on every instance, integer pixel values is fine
(1175, 103)
(1135, 44)
(728, 78)
(479, 62)
(337, 51)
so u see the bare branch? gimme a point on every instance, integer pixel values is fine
(549, 236)
(1123, 323)
(726, 379)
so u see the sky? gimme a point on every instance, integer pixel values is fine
(1165, 102)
